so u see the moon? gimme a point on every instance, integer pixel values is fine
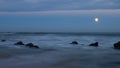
(96, 20)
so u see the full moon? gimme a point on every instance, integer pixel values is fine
(96, 20)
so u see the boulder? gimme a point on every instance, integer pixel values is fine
(74, 42)
(3, 40)
(117, 45)
(35, 46)
(30, 45)
(19, 43)
(94, 44)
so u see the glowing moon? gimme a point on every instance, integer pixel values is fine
(96, 20)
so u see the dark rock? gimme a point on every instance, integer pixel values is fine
(3, 40)
(94, 44)
(35, 47)
(30, 45)
(74, 42)
(117, 45)
(19, 43)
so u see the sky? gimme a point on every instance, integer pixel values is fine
(59, 15)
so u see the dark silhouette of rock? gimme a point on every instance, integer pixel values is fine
(35, 46)
(94, 44)
(117, 45)
(74, 42)
(30, 45)
(19, 43)
(3, 40)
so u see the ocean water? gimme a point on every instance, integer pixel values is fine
(57, 52)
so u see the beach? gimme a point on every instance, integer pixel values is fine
(56, 51)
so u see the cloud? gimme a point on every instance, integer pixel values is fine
(50, 5)
(69, 12)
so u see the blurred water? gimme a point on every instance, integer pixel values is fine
(57, 52)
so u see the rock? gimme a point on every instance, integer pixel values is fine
(94, 44)
(30, 45)
(117, 45)
(19, 43)
(35, 47)
(3, 40)
(74, 42)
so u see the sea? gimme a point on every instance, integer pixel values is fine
(56, 51)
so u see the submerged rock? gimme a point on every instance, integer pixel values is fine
(74, 42)
(19, 43)
(94, 44)
(3, 40)
(117, 45)
(30, 45)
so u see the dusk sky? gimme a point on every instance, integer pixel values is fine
(59, 15)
